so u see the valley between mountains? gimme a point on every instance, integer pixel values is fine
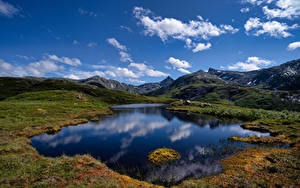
(266, 100)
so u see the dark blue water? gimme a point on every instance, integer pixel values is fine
(124, 140)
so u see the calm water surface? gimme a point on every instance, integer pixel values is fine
(124, 140)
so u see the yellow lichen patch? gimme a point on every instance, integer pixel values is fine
(162, 155)
(261, 140)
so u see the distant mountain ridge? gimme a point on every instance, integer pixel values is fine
(148, 87)
(283, 77)
(115, 85)
(272, 88)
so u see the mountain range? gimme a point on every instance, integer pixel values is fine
(277, 87)
(284, 77)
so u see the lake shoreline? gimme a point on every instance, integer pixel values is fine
(85, 170)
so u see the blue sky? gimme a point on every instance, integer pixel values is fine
(136, 41)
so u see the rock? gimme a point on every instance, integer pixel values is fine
(187, 102)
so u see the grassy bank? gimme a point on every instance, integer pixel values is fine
(31, 113)
(255, 167)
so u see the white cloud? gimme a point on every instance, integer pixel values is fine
(272, 28)
(155, 73)
(40, 68)
(139, 66)
(92, 44)
(182, 133)
(286, 9)
(293, 45)
(85, 12)
(116, 44)
(125, 57)
(257, 2)
(146, 70)
(7, 69)
(48, 64)
(244, 10)
(243, 66)
(173, 28)
(7, 9)
(170, 27)
(143, 69)
(125, 72)
(136, 81)
(75, 74)
(110, 73)
(177, 63)
(258, 61)
(65, 60)
(184, 71)
(201, 47)
(252, 63)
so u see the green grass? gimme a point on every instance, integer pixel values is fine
(30, 107)
(255, 167)
(249, 97)
(235, 112)
(31, 113)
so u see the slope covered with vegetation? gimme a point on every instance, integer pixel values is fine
(30, 107)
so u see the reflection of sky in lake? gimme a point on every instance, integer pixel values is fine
(127, 137)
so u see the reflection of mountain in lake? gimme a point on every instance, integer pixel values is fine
(124, 140)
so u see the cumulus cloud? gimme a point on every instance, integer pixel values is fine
(7, 69)
(272, 28)
(201, 47)
(40, 68)
(116, 44)
(66, 60)
(184, 71)
(86, 12)
(257, 2)
(146, 70)
(173, 28)
(7, 9)
(48, 64)
(125, 57)
(76, 74)
(293, 45)
(284, 9)
(125, 72)
(177, 63)
(252, 63)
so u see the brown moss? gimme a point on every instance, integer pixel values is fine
(253, 168)
(163, 155)
(261, 140)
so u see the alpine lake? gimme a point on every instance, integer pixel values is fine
(124, 140)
